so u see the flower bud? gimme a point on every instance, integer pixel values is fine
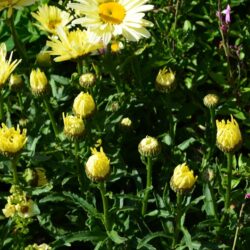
(43, 59)
(228, 138)
(84, 105)
(165, 81)
(11, 140)
(73, 126)
(98, 166)
(87, 80)
(126, 124)
(211, 100)
(16, 82)
(183, 179)
(38, 82)
(149, 147)
(116, 46)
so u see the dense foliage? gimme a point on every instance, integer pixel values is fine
(134, 201)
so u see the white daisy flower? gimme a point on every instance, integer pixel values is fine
(107, 18)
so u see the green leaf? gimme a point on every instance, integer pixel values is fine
(78, 236)
(83, 204)
(151, 236)
(187, 238)
(114, 236)
(184, 145)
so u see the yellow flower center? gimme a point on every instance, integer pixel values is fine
(112, 12)
(54, 23)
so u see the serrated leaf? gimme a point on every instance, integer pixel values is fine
(187, 238)
(114, 236)
(151, 236)
(81, 236)
(83, 204)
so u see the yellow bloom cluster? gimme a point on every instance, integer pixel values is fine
(228, 138)
(11, 140)
(7, 67)
(183, 179)
(18, 204)
(98, 166)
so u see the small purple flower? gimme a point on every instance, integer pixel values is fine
(247, 196)
(227, 13)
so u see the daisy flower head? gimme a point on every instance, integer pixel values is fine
(50, 18)
(70, 45)
(7, 66)
(110, 18)
(16, 4)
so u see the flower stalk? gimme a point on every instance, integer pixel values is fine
(51, 116)
(14, 169)
(80, 174)
(178, 215)
(19, 46)
(229, 180)
(148, 185)
(106, 221)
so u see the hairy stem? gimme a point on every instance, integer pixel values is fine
(148, 185)
(106, 220)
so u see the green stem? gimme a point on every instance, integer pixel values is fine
(80, 174)
(51, 116)
(14, 170)
(18, 44)
(79, 67)
(177, 220)
(20, 101)
(213, 132)
(238, 226)
(106, 221)
(148, 185)
(229, 180)
(1, 105)
(176, 13)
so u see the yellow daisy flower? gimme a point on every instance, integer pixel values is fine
(228, 138)
(73, 126)
(112, 18)
(71, 44)
(98, 165)
(17, 4)
(11, 140)
(183, 179)
(51, 17)
(7, 67)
